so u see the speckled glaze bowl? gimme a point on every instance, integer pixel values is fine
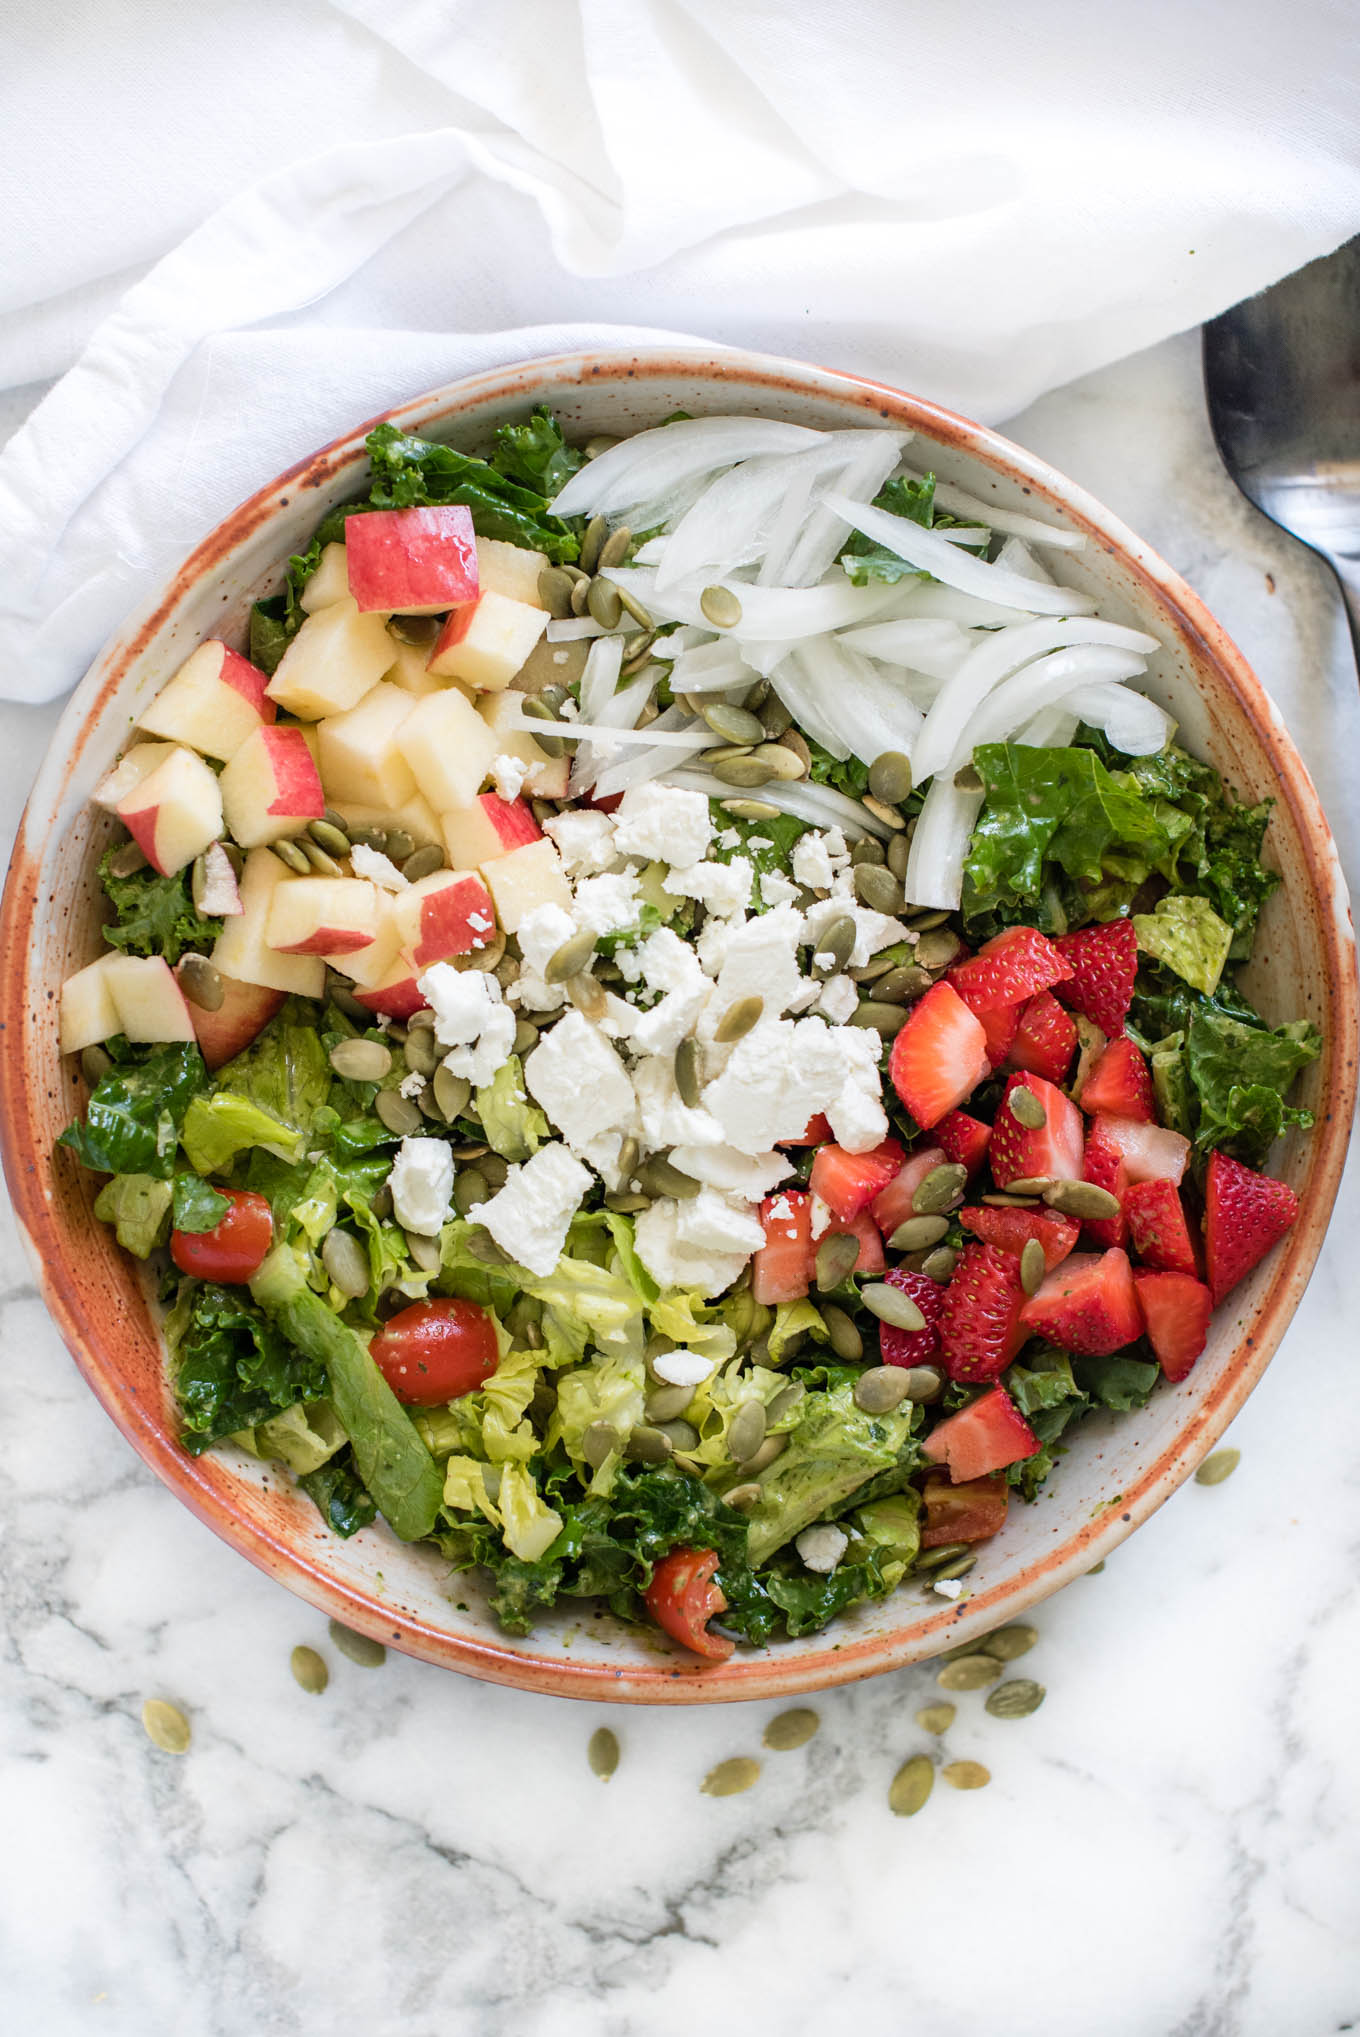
(1117, 1471)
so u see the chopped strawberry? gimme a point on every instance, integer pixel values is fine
(1008, 969)
(893, 1206)
(1244, 1215)
(1176, 1308)
(913, 1347)
(939, 1057)
(1051, 1151)
(863, 1227)
(1103, 962)
(817, 1131)
(1045, 1039)
(1150, 1152)
(964, 1139)
(1159, 1228)
(782, 1269)
(848, 1182)
(1120, 1084)
(962, 1513)
(1103, 1164)
(1010, 1230)
(1000, 1028)
(986, 1436)
(1088, 1305)
(980, 1328)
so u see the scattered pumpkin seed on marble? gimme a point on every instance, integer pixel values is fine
(1007, 1643)
(730, 1778)
(791, 1729)
(911, 1786)
(358, 1648)
(967, 1672)
(166, 1726)
(1016, 1699)
(936, 1719)
(309, 1671)
(1215, 1469)
(602, 1752)
(966, 1775)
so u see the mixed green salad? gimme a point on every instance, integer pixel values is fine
(669, 1023)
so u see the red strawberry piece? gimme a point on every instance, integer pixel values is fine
(1150, 1152)
(1103, 1164)
(1103, 962)
(1010, 1230)
(1244, 1215)
(964, 1139)
(962, 1513)
(1000, 1028)
(913, 1347)
(1008, 969)
(1088, 1306)
(986, 1436)
(1159, 1228)
(893, 1206)
(782, 1269)
(848, 1182)
(1176, 1308)
(1051, 1150)
(939, 1057)
(1120, 1084)
(1045, 1039)
(980, 1329)
(870, 1261)
(817, 1131)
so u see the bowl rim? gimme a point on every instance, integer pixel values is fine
(782, 1671)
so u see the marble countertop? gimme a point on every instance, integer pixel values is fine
(1170, 1847)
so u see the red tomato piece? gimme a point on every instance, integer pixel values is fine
(682, 1598)
(986, 1436)
(848, 1182)
(783, 1267)
(962, 1513)
(234, 1250)
(435, 1350)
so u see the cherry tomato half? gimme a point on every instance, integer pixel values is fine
(682, 1598)
(234, 1249)
(435, 1350)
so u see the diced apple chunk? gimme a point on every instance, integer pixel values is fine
(332, 662)
(245, 1010)
(329, 583)
(175, 812)
(487, 641)
(547, 776)
(367, 966)
(127, 774)
(150, 1004)
(215, 700)
(449, 748)
(271, 788)
(416, 815)
(449, 913)
(415, 561)
(242, 950)
(524, 880)
(322, 916)
(216, 892)
(511, 570)
(410, 671)
(491, 826)
(88, 1012)
(357, 751)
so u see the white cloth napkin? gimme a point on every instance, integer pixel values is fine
(238, 230)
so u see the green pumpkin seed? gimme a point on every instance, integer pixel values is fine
(602, 1752)
(1081, 1199)
(836, 941)
(1008, 1643)
(936, 950)
(967, 1672)
(667, 1403)
(890, 777)
(1026, 1186)
(846, 1341)
(720, 606)
(1025, 1107)
(887, 1020)
(681, 1435)
(659, 1177)
(1096, 1568)
(892, 1306)
(837, 1258)
(881, 965)
(424, 1252)
(738, 1020)
(939, 1266)
(127, 859)
(484, 1247)
(604, 604)
(911, 1786)
(902, 985)
(309, 1671)
(201, 983)
(876, 887)
(346, 1263)
(421, 1051)
(580, 594)
(369, 838)
(452, 1093)
(689, 1081)
(614, 550)
(647, 1445)
(880, 1389)
(571, 958)
(743, 1496)
(785, 1401)
(400, 844)
(369, 1654)
(746, 1431)
(936, 1718)
(1033, 1266)
(931, 1559)
(748, 770)
(420, 630)
(381, 1202)
(889, 815)
(361, 1060)
(733, 724)
(319, 860)
(899, 853)
(780, 761)
(772, 1447)
(94, 1065)
(924, 1383)
(627, 1202)
(750, 809)
(1215, 1469)
(1016, 1699)
(166, 1726)
(495, 1169)
(470, 1186)
(730, 1778)
(958, 1568)
(869, 850)
(554, 591)
(526, 1036)
(590, 998)
(942, 1189)
(428, 858)
(775, 718)
(791, 1729)
(596, 531)
(327, 836)
(917, 1233)
(600, 1440)
(966, 1775)
(292, 858)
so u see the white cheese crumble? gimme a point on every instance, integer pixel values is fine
(471, 1018)
(820, 1218)
(817, 857)
(508, 775)
(729, 839)
(873, 930)
(682, 1368)
(663, 824)
(713, 1222)
(585, 840)
(751, 1175)
(785, 1071)
(579, 1081)
(762, 961)
(674, 1263)
(839, 997)
(606, 904)
(725, 888)
(378, 869)
(666, 1121)
(777, 889)
(421, 1182)
(821, 1548)
(411, 1085)
(671, 969)
(528, 1218)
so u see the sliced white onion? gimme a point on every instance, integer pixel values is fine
(939, 846)
(938, 648)
(848, 703)
(971, 534)
(1132, 722)
(1016, 556)
(927, 598)
(957, 568)
(820, 805)
(768, 614)
(727, 527)
(600, 675)
(653, 761)
(602, 732)
(862, 463)
(653, 464)
(613, 705)
(958, 502)
(571, 629)
(1040, 684)
(713, 668)
(652, 553)
(1051, 729)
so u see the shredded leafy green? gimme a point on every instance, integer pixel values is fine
(134, 1114)
(232, 1368)
(865, 559)
(197, 1206)
(154, 915)
(849, 775)
(339, 1494)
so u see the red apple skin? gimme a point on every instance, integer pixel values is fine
(453, 632)
(328, 941)
(247, 680)
(246, 1010)
(412, 560)
(446, 922)
(297, 785)
(399, 1000)
(512, 819)
(141, 825)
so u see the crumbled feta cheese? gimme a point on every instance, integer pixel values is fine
(603, 1153)
(777, 889)
(873, 930)
(682, 1368)
(378, 869)
(713, 1222)
(672, 1263)
(725, 888)
(579, 1081)
(541, 933)
(666, 1121)
(820, 1216)
(839, 997)
(531, 993)
(762, 961)
(785, 1071)
(411, 1085)
(856, 1111)
(747, 1174)
(478, 1065)
(421, 1182)
(729, 839)
(471, 1018)
(528, 1218)
(715, 938)
(607, 904)
(821, 1548)
(584, 838)
(817, 857)
(663, 824)
(948, 1587)
(508, 775)
(671, 969)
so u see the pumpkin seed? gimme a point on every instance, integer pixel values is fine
(876, 887)
(720, 606)
(451, 1092)
(881, 965)
(680, 1434)
(526, 1036)
(580, 594)
(648, 1445)
(1016, 1699)
(1000, 1200)
(346, 1262)
(632, 606)
(166, 1726)
(381, 1202)
(428, 858)
(846, 1341)
(627, 1202)
(738, 1020)
(837, 941)
(309, 1671)
(931, 1559)
(869, 850)
(589, 997)
(328, 836)
(667, 1403)
(369, 1654)
(1029, 1185)
(775, 718)
(917, 1233)
(604, 604)
(892, 1306)
(936, 1718)
(421, 1051)
(420, 630)
(791, 1729)
(791, 740)
(292, 858)
(939, 1266)
(601, 443)
(689, 1073)
(880, 1389)
(959, 1566)
(361, 1060)
(937, 949)
(571, 958)
(397, 1112)
(1007, 1643)
(911, 1786)
(600, 1440)
(596, 531)
(746, 1431)
(400, 844)
(424, 1251)
(730, 1778)
(837, 1258)
(880, 811)
(554, 591)
(887, 1020)
(903, 985)
(747, 769)
(743, 1496)
(924, 1383)
(1215, 1469)
(942, 1189)
(484, 1247)
(319, 860)
(750, 809)
(781, 761)
(967, 1672)
(614, 550)
(126, 860)
(1033, 1266)
(658, 1176)
(1096, 1568)
(1025, 1107)
(1081, 1199)
(495, 1169)
(733, 724)
(772, 1447)
(966, 1775)
(785, 1401)
(890, 777)
(369, 838)
(201, 983)
(899, 852)
(94, 1065)
(602, 1752)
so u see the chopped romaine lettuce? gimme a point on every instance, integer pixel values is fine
(302, 1437)
(233, 1369)
(513, 1126)
(154, 915)
(1185, 934)
(218, 1127)
(834, 1449)
(196, 1206)
(134, 1114)
(339, 1495)
(138, 1207)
